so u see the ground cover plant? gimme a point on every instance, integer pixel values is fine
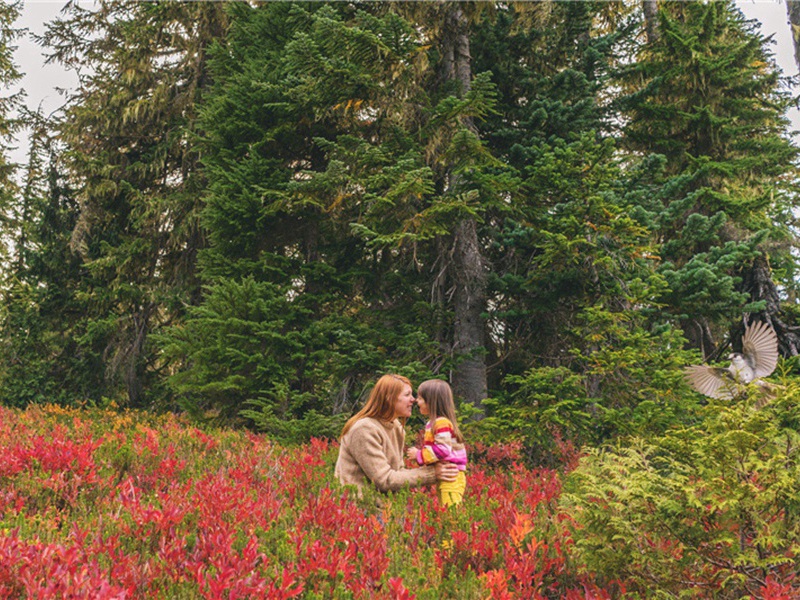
(106, 504)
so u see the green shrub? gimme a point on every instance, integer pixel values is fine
(709, 510)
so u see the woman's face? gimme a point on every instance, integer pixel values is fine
(423, 404)
(404, 403)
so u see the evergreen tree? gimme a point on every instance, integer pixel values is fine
(9, 125)
(547, 117)
(45, 356)
(706, 96)
(650, 11)
(42, 359)
(463, 260)
(573, 283)
(793, 12)
(437, 181)
(129, 132)
(319, 307)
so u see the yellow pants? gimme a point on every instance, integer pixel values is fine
(452, 492)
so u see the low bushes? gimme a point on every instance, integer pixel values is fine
(127, 505)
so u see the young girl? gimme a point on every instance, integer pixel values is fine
(443, 441)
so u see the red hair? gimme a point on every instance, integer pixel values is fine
(381, 402)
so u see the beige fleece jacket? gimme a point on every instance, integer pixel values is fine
(373, 451)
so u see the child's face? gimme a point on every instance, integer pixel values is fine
(423, 405)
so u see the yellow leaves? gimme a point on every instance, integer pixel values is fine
(122, 422)
(421, 61)
(760, 65)
(646, 255)
(350, 105)
(337, 201)
(128, 76)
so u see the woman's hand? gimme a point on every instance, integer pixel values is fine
(411, 454)
(445, 471)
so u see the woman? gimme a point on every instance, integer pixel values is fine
(373, 441)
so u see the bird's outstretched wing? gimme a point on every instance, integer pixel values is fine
(760, 348)
(714, 382)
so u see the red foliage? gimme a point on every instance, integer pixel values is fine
(775, 590)
(399, 591)
(166, 510)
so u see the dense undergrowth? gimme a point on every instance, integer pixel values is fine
(104, 504)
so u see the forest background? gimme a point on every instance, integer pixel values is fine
(246, 212)
(555, 206)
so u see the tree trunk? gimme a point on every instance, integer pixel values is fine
(793, 10)
(698, 335)
(759, 284)
(468, 263)
(650, 8)
(469, 377)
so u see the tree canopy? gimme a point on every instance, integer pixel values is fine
(250, 210)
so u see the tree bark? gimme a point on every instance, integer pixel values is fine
(469, 377)
(650, 8)
(759, 284)
(698, 335)
(468, 262)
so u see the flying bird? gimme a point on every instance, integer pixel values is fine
(758, 359)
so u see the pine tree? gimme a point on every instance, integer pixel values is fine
(574, 280)
(793, 12)
(464, 260)
(9, 125)
(283, 264)
(706, 96)
(459, 183)
(650, 11)
(129, 132)
(45, 356)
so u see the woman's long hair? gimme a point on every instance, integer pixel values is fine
(439, 398)
(381, 402)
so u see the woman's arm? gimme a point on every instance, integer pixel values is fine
(367, 449)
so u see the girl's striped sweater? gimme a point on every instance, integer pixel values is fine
(440, 444)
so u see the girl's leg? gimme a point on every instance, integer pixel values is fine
(452, 492)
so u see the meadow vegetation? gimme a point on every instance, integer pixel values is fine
(124, 504)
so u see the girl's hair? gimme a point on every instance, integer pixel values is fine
(381, 402)
(439, 398)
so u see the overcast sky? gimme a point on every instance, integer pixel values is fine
(40, 80)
